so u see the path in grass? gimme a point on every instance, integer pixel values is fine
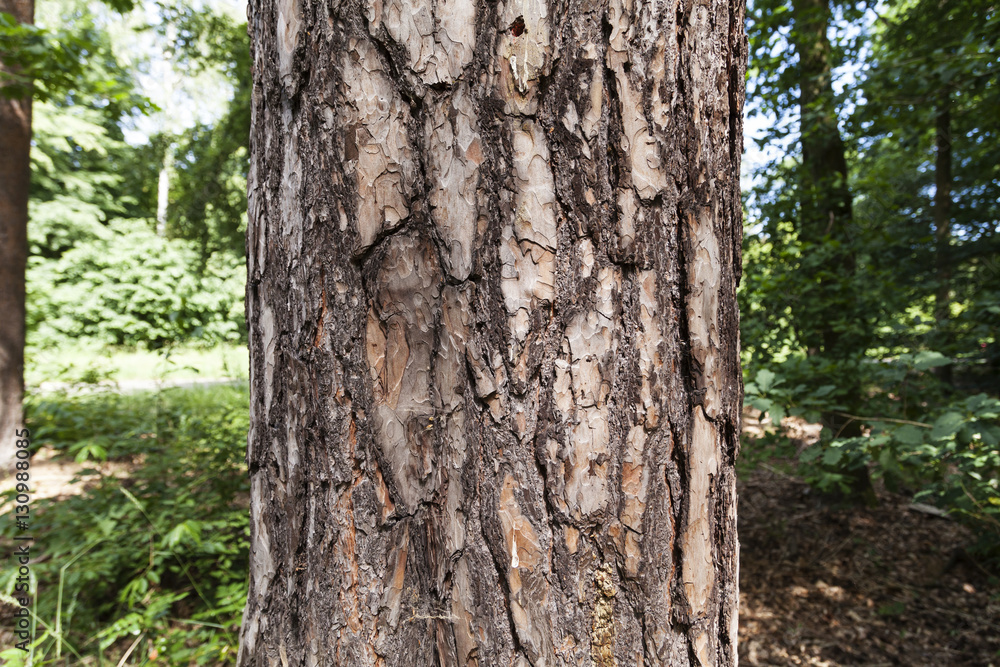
(93, 363)
(132, 386)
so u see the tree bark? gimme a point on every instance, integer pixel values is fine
(163, 191)
(492, 253)
(15, 175)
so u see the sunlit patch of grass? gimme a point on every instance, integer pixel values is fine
(85, 361)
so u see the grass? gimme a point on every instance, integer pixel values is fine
(83, 362)
(157, 558)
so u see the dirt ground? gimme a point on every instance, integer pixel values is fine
(53, 476)
(890, 585)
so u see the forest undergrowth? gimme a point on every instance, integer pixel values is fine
(149, 547)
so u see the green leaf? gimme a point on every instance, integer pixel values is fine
(765, 380)
(983, 406)
(990, 435)
(825, 390)
(14, 657)
(762, 404)
(928, 359)
(777, 414)
(947, 425)
(909, 435)
(810, 454)
(186, 531)
(832, 456)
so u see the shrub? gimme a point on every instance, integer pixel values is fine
(127, 286)
(919, 439)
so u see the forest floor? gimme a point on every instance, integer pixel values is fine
(889, 585)
(821, 584)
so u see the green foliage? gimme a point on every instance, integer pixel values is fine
(74, 191)
(96, 269)
(916, 439)
(960, 456)
(160, 551)
(884, 328)
(65, 62)
(130, 287)
(94, 276)
(928, 59)
(114, 281)
(208, 199)
(156, 553)
(769, 394)
(41, 61)
(953, 460)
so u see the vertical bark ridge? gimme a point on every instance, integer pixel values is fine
(492, 258)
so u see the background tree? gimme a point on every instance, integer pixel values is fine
(95, 276)
(43, 63)
(805, 195)
(929, 97)
(825, 221)
(910, 87)
(209, 200)
(492, 255)
(816, 294)
(15, 175)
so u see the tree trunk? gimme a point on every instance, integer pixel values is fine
(15, 175)
(942, 223)
(830, 326)
(825, 198)
(492, 253)
(163, 191)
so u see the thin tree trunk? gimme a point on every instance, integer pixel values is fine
(15, 175)
(942, 220)
(163, 191)
(492, 259)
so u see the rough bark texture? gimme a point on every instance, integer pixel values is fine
(15, 173)
(493, 252)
